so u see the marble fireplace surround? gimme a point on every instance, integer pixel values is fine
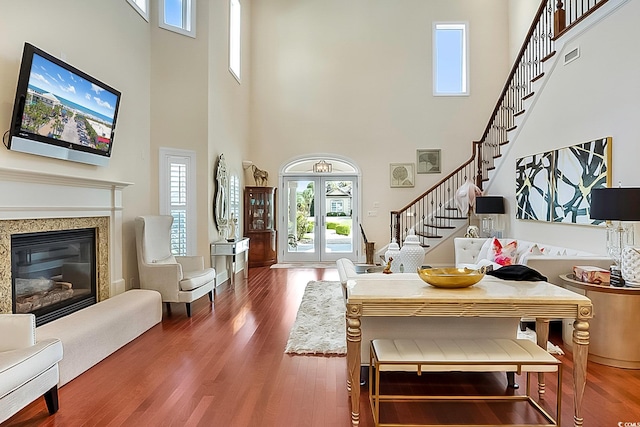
(38, 201)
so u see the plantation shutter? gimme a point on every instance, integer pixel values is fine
(177, 198)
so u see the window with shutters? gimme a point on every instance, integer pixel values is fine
(177, 197)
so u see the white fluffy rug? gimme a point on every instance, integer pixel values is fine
(319, 328)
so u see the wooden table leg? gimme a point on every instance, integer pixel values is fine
(354, 344)
(580, 352)
(542, 337)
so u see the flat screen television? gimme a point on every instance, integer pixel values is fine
(62, 112)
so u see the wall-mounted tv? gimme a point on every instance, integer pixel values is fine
(62, 112)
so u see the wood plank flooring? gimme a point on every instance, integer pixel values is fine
(225, 366)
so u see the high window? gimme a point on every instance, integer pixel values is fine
(450, 59)
(234, 38)
(178, 16)
(142, 7)
(177, 197)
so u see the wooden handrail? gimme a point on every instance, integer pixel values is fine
(514, 68)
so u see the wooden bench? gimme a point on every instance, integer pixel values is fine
(460, 355)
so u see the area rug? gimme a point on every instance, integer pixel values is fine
(319, 328)
(304, 265)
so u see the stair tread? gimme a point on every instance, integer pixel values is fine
(429, 236)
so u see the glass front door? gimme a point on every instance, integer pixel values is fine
(320, 218)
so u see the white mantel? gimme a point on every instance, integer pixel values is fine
(27, 194)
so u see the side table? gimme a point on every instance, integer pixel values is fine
(230, 250)
(614, 327)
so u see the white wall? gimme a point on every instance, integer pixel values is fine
(592, 97)
(355, 79)
(176, 92)
(521, 14)
(109, 41)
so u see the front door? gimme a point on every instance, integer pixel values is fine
(319, 218)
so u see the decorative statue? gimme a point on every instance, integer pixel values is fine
(260, 177)
(472, 231)
(387, 268)
(232, 227)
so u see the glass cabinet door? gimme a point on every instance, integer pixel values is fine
(260, 209)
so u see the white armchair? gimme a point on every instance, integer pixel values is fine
(179, 279)
(28, 369)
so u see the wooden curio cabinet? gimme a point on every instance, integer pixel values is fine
(260, 225)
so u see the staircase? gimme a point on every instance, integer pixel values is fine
(434, 215)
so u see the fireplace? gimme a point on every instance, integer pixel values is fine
(34, 201)
(53, 273)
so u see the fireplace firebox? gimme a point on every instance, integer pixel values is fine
(53, 273)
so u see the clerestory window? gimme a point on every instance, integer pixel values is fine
(142, 7)
(234, 38)
(450, 59)
(178, 16)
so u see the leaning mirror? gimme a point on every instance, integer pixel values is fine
(221, 203)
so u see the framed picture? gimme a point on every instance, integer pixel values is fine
(428, 161)
(402, 174)
(556, 186)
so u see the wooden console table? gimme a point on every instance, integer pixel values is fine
(614, 335)
(491, 297)
(230, 250)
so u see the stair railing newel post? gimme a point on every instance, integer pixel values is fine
(559, 18)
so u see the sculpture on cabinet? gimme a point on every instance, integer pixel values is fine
(221, 207)
(261, 177)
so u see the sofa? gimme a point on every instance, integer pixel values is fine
(28, 367)
(550, 261)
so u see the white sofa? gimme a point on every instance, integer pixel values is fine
(554, 261)
(28, 368)
(420, 327)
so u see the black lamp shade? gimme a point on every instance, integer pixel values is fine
(490, 205)
(620, 204)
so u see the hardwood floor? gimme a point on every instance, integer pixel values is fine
(225, 366)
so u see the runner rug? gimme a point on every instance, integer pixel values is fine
(319, 328)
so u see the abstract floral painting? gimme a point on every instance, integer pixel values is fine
(402, 174)
(556, 185)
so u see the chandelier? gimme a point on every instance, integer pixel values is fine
(322, 167)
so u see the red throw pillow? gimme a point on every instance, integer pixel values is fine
(504, 255)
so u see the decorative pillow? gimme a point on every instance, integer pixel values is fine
(503, 255)
(534, 250)
(484, 250)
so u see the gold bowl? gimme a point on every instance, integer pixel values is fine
(451, 277)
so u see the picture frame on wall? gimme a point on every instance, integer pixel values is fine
(556, 186)
(428, 161)
(402, 175)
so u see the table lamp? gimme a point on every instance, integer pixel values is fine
(488, 207)
(619, 205)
